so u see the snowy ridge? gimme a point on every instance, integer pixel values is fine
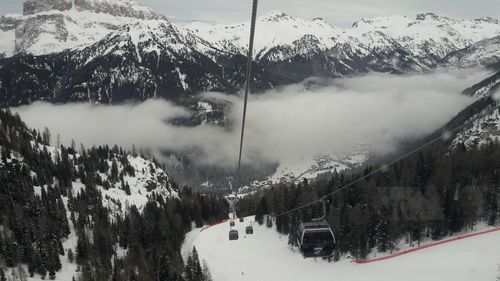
(152, 37)
(50, 29)
(7, 34)
(429, 34)
(481, 131)
(121, 180)
(275, 29)
(51, 26)
(482, 117)
(311, 169)
(486, 90)
(485, 52)
(147, 179)
(124, 8)
(426, 36)
(121, 8)
(113, 58)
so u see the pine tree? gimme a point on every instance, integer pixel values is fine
(269, 222)
(114, 171)
(193, 270)
(11, 254)
(132, 276)
(384, 242)
(134, 151)
(46, 136)
(207, 276)
(262, 209)
(82, 248)
(165, 268)
(197, 270)
(73, 146)
(492, 205)
(52, 274)
(2, 275)
(71, 257)
(126, 188)
(188, 269)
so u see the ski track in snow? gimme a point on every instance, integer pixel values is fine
(266, 256)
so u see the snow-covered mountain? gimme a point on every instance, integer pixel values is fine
(485, 52)
(429, 35)
(134, 59)
(426, 38)
(118, 8)
(111, 51)
(52, 26)
(477, 124)
(274, 29)
(483, 129)
(57, 202)
(124, 179)
(311, 169)
(481, 120)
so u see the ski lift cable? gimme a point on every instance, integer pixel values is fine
(247, 81)
(299, 176)
(383, 167)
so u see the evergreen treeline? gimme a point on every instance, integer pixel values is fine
(432, 194)
(39, 210)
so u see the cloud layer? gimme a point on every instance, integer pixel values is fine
(283, 125)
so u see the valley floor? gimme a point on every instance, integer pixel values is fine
(266, 256)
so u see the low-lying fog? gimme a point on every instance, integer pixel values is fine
(283, 125)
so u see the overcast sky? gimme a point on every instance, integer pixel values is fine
(340, 12)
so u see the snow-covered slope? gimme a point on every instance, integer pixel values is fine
(480, 120)
(52, 26)
(111, 51)
(274, 29)
(55, 32)
(8, 24)
(482, 130)
(300, 169)
(144, 178)
(427, 37)
(119, 8)
(429, 34)
(160, 38)
(485, 52)
(148, 179)
(265, 255)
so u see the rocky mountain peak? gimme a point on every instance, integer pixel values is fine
(488, 20)
(429, 16)
(31, 7)
(119, 8)
(275, 16)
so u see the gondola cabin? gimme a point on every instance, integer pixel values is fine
(316, 239)
(231, 223)
(249, 229)
(242, 219)
(233, 234)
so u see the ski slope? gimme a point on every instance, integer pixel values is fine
(266, 256)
